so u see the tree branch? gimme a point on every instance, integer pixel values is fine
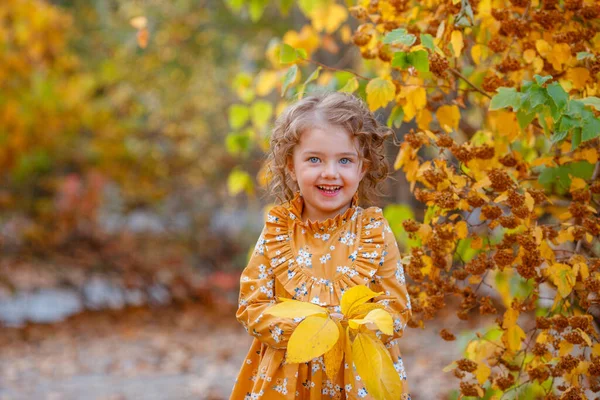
(464, 78)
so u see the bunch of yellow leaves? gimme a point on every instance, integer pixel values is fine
(350, 339)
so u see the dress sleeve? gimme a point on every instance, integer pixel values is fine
(257, 294)
(389, 279)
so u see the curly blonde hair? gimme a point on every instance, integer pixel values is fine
(334, 109)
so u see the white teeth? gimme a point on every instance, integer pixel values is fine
(328, 187)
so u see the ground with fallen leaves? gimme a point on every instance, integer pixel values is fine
(182, 351)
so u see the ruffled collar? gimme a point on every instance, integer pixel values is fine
(296, 205)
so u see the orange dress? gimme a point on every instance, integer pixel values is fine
(315, 262)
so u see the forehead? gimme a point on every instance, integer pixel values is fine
(327, 139)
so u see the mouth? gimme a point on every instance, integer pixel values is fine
(329, 189)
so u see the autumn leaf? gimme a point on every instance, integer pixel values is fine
(312, 338)
(448, 117)
(333, 358)
(354, 297)
(363, 309)
(457, 43)
(381, 318)
(294, 309)
(563, 277)
(379, 93)
(374, 366)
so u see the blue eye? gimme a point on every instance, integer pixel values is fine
(313, 160)
(345, 161)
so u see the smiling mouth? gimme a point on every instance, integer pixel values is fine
(329, 189)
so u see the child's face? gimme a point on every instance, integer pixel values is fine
(327, 167)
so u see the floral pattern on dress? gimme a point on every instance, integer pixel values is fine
(315, 262)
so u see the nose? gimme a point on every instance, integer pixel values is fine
(330, 171)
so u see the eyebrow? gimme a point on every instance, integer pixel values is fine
(338, 154)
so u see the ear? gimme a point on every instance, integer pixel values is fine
(363, 170)
(290, 168)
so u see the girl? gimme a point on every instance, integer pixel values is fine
(327, 152)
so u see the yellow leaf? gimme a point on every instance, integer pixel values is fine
(547, 252)
(559, 55)
(482, 183)
(333, 358)
(478, 53)
(529, 55)
(482, 373)
(542, 47)
(289, 308)
(140, 22)
(596, 350)
(477, 243)
(585, 337)
(363, 309)
(379, 93)
(448, 117)
(265, 82)
(424, 118)
(576, 184)
(590, 155)
(578, 76)
(513, 337)
(563, 277)
(457, 43)
(564, 348)
(583, 270)
(529, 201)
(356, 296)
(312, 338)
(381, 318)
(462, 230)
(510, 318)
(374, 366)
(350, 86)
(329, 17)
(480, 391)
(538, 65)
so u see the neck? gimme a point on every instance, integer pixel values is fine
(314, 215)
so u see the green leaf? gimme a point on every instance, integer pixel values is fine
(562, 174)
(261, 113)
(313, 76)
(400, 36)
(419, 59)
(287, 54)
(537, 96)
(238, 143)
(400, 60)
(567, 123)
(506, 97)
(559, 136)
(525, 118)
(290, 76)
(238, 115)
(256, 8)
(576, 139)
(591, 129)
(542, 119)
(542, 79)
(301, 54)
(427, 41)
(591, 101)
(582, 55)
(396, 117)
(350, 86)
(235, 5)
(558, 95)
